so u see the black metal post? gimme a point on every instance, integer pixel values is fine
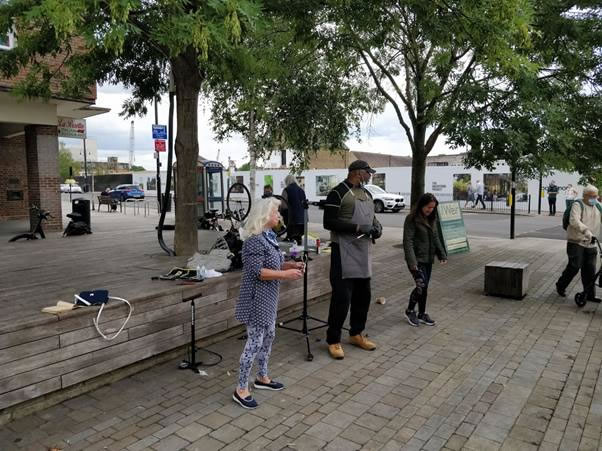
(539, 195)
(172, 93)
(513, 205)
(529, 204)
(158, 179)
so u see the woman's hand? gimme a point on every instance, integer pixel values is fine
(443, 262)
(293, 265)
(292, 274)
(413, 268)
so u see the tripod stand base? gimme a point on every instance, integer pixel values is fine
(186, 365)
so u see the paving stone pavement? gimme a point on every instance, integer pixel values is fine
(493, 374)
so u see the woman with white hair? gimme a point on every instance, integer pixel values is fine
(295, 198)
(584, 224)
(263, 269)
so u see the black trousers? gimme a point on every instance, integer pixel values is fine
(346, 293)
(419, 294)
(295, 232)
(580, 259)
(552, 204)
(479, 199)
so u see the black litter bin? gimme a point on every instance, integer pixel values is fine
(82, 207)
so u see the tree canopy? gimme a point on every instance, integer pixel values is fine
(548, 119)
(136, 43)
(428, 59)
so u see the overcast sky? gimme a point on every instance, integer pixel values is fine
(381, 134)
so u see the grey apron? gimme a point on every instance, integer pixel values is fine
(356, 253)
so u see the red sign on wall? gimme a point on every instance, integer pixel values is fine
(160, 145)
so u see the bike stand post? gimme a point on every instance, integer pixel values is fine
(191, 364)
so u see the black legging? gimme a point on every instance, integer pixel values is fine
(419, 294)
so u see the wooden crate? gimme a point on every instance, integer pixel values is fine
(507, 279)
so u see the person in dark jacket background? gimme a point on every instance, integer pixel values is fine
(421, 243)
(294, 196)
(552, 193)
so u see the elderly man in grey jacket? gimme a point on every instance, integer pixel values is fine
(584, 225)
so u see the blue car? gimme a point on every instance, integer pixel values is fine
(125, 192)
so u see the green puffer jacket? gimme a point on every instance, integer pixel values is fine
(421, 242)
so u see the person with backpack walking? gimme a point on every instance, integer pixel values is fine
(421, 242)
(582, 223)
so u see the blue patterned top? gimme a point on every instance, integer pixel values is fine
(258, 301)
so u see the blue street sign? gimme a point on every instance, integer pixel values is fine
(159, 131)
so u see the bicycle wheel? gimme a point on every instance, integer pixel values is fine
(238, 201)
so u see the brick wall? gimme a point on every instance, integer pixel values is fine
(54, 63)
(13, 177)
(41, 143)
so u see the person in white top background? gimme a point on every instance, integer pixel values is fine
(480, 195)
(584, 225)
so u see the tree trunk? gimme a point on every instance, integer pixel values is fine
(419, 153)
(252, 155)
(188, 84)
(418, 172)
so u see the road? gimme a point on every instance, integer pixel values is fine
(482, 224)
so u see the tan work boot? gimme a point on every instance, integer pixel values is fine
(362, 342)
(336, 351)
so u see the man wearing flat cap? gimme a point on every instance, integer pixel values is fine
(349, 215)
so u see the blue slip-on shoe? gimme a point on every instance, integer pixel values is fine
(247, 403)
(272, 385)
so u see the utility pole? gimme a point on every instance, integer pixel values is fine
(539, 195)
(513, 204)
(157, 156)
(131, 144)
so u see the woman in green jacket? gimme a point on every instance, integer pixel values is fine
(420, 244)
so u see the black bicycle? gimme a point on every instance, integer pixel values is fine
(41, 216)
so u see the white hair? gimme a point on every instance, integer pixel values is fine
(289, 179)
(590, 189)
(259, 216)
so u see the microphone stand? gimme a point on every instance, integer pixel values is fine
(305, 330)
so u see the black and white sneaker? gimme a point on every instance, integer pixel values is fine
(411, 317)
(247, 403)
(272, 385)
(425, 319)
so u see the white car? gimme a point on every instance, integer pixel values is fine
(385, 201)
(65, 187)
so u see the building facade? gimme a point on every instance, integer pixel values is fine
(29, 172)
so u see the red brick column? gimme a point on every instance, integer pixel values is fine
(42, 149)
(13, 178)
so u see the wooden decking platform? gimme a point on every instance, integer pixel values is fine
(42, 353)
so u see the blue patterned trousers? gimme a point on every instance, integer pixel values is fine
(259, 344)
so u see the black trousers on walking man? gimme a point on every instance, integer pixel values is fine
(552, 204)
(580, 259)
(479, 199)
(346, 293)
